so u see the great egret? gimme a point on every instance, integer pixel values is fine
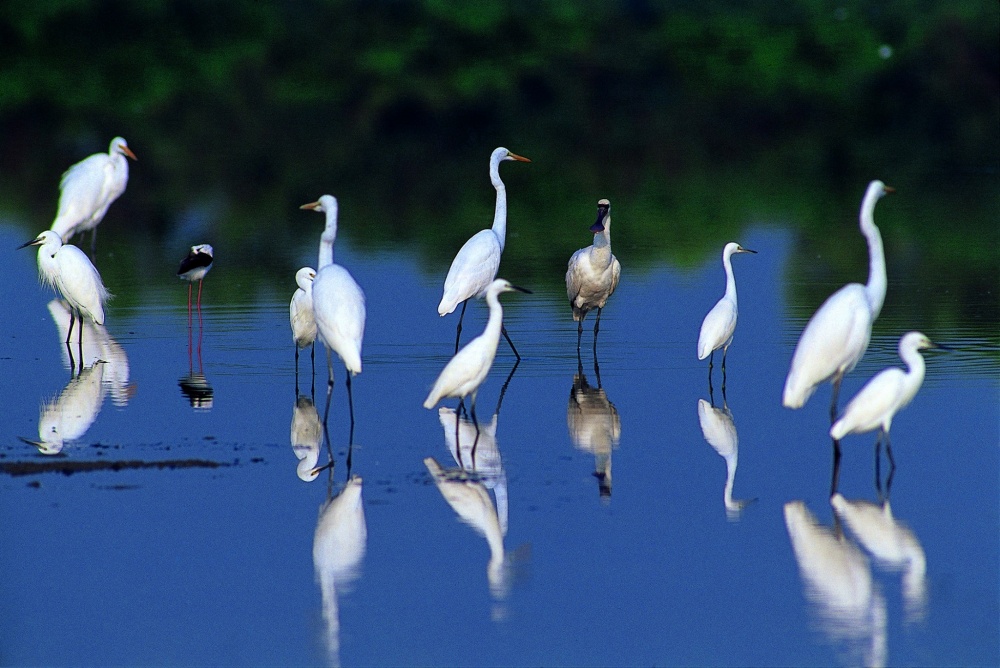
(837, 335)
(592, 274)
(89, 187)
(70, 272)
(719, 325)
(194, 267)
(338, 302)
(467, 370)
(300, 315)
(477, 262)
(874, 406)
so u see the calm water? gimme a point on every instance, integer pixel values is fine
(236, 564)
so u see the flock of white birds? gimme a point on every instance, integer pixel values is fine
(330, 305)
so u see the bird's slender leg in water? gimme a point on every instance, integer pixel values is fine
(835, 477)
(503, 330)
(458, 332)
(833, 399)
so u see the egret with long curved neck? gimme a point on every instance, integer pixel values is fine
(338, 303)
(837, 335)
(477, 262)
(719, 325)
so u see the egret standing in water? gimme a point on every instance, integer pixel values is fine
(593, 273)
(467, 370)
(338, 302)
(300, 315)
(719, 325)
(194, 267)
(71, 273)
(478, 261)
(837, 335)
(88, 188)
(874, 406)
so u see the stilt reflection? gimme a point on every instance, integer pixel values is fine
(195, 386)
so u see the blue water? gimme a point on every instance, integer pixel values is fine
(216, 565)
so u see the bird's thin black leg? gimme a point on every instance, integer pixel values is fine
(458, 331)
(503, 330)
(835, 476)
(475, 441)
(833, 399)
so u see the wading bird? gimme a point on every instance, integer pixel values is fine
(719, 325)
(300, 315)
(874, 406)
(593, 273)
(837, 335)
(71, 273)
(338, 302)
(477, 262)
(467, 370)
(88, 188)
(194, 267)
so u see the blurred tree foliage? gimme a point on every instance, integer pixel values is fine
(250, 108)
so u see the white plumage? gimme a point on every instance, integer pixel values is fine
(89, 187)
(719, 325)
(593, 273)
(837, 335)
(300, 312)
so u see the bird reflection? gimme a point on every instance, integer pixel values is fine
(195, 386)
(68, 417)
(468, 497)
(719, 430)
(485, 463)
(893, 545)
(837, 579)
(594, 425)
(97, 346)
(339, 545)
(306, 437)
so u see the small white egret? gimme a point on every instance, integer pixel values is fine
(477, 262)
(70, 272)
(719, 325)
(837, 335)
(592, 274)
(874, 406)
(300, 315)
(194, 267)
(467, 370)
(338, 302)
(89, 187)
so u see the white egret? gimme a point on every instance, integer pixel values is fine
(592, 274)
(837, 335)
(467, 370)
(70, 272)
(477, 262)
(300, 315)
(194, 267)
(874, 406)
(89, 187)
(719, 325)
(338, 302)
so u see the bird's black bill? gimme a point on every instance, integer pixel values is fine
(524, 290)
(33, 242)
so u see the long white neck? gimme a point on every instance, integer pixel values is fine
(327, 238)
(603, 239)
(727, 262)
(495, 322)
(877, 281)
(915, 370)
(500, 214)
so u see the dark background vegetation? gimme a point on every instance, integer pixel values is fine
(696, 118)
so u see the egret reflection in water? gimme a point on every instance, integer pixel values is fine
(719, 430)
(339, 545)
(594, 424)
(847, 605)
(97, 346)
(893, 545)
(306, 437)
(68, 417)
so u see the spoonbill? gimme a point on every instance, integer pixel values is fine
(592, 274)
(477, 262)
(837, 335)
(89, 187)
